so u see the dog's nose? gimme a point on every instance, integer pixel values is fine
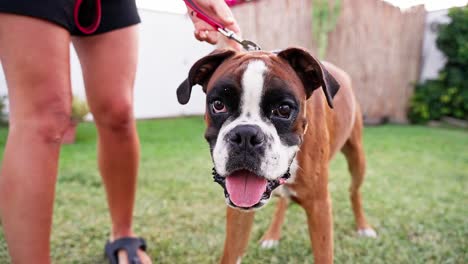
(246, 137)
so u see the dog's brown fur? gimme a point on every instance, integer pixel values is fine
(333, 130)
(325, 132)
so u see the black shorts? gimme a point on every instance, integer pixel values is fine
(115, 14)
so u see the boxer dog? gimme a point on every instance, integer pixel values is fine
(275, 118)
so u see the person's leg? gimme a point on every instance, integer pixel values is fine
(35, 58)
(109, 63)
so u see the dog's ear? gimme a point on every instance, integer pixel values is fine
(201, 72)
(311, 72)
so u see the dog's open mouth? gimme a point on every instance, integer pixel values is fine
(246, 190)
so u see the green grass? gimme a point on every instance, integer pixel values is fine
(415, 195)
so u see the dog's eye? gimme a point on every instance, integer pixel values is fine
(283, 111)
(219, 107)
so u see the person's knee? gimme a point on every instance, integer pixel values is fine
(48, 121)
(116, 115)
(54, 120)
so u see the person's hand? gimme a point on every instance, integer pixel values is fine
(219, 11)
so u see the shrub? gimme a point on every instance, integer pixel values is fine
(3, 118)
(448, 94)
(79, 109)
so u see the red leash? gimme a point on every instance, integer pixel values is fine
(236, 2)
(200, 14)
(246, 44)
(97, 17)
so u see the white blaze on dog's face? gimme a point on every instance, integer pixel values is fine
(255, 119)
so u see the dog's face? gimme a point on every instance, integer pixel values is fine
(255, 116)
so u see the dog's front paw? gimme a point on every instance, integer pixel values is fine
(269, 243)
(367, 232)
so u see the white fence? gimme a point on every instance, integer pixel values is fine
(433, 60)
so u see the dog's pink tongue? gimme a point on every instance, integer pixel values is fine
(245, 188)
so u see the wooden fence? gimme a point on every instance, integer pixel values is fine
(376, 43)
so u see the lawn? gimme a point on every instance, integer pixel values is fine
(415, 195)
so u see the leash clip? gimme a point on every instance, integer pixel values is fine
(246, 44)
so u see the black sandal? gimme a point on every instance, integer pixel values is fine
(129, 244)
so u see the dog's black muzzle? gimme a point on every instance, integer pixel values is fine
(246, 148)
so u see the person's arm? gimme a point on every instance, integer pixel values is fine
(218, 10)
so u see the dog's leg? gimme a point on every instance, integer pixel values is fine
(238, 227)
(354, 153)
(320, 222)
(272, 235)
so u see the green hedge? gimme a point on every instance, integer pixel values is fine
(2, 110)
(448, 94)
